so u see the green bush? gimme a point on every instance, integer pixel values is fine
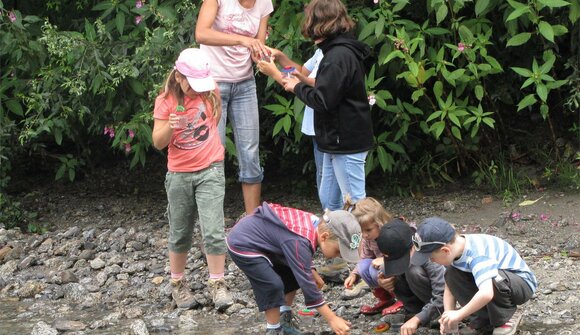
(451, 80)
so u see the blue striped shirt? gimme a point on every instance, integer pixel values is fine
(484, 255)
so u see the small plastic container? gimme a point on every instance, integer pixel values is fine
(180, 112)
(287, 71)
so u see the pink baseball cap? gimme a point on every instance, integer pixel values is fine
(194, 65)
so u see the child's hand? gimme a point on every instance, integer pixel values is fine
(410, 327)
(387, 283)
(274, 53)
(319, 281)
(267, 68)
(290, 83)
(350, 280)
(339, 325)
(377, 263)
(449, 320)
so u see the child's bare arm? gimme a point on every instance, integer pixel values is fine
(339, 325)
(479, 300)
(448, 299)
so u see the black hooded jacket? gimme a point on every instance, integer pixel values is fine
(342, 117)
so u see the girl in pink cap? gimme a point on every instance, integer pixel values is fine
(187, 111)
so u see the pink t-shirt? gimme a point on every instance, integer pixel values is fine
(233, 63)
(196, 146)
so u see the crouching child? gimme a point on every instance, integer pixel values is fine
(485, 274)
(274, 247)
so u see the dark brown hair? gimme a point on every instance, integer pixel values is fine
(325, 18)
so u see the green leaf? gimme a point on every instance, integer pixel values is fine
(517, 13)
(58, 136)
(479, 92)
(542, 92)
(528, 82)
(518, 39)
(544, 111)
(434, 115)
(523, 71)
(442, 13)
(103, 5)
(489, 121)
(574, 14)
(554, 3)
(465, 34)
(90, 31)
(395, 147)
(120, 22)
(438, 89)
(437, 31)
(417, 94)
(380, 26)
(137, 86)
(456, 132)
(60, 172)
(396, 53)
(277, 127)
(546, 30)
(168, 13)
(438, 128)
(367, 30)
(480, 6)
(15, 107)
(559, 30)
(287, 123)
(454, 119)
(527, 101)
(516, 4)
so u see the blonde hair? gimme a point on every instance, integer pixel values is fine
(172, 87)
(323, 228)
(367, 211)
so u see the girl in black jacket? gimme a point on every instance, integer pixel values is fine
(342, 118)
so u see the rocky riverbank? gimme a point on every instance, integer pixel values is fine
(102, 266)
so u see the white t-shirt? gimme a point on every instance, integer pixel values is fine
(233, 63)
(308, 119)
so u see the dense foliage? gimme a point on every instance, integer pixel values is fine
(461, 87)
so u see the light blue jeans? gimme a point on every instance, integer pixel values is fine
(342, 175)
(240, 106)
(318, 159)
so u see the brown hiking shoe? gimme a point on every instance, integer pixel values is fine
(220, 295)
(182, 295)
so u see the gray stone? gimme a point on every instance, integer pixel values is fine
(68, 325)
(138, 327)
(42, 328)
(97, 264)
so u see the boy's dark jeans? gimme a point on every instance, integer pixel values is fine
(508, 293)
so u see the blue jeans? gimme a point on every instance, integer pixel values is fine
(342, 174)
(368, 273)
(318, 159)
(240, 105)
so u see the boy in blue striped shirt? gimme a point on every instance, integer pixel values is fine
(485, 274)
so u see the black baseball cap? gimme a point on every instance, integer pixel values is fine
(395, 241)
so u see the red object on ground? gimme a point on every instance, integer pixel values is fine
(394, 308)
(381, 328)
(385, 299)
(306, 312)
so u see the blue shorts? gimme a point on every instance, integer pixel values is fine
(270, 281)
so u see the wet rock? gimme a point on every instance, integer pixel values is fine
(449, 206)
(8, 268)
(97, 264)
(75, 292)
(138, 327)
(67, 325)
(42, 328)
(30, 289)
(27, 262)
(67, 276)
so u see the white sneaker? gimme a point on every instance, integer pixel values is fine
(510, 327)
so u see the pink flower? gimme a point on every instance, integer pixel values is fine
(516, 216)
(138, 19)
(544, 217)
(460, 47)
(110, 132)
(11, 16)
(376, 1)
(138, 4)
(127, 148)
(131, 133)
(372, 100)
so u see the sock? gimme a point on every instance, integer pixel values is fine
(176, 276)
(269, 326)
(285, 308)
(216, 275)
